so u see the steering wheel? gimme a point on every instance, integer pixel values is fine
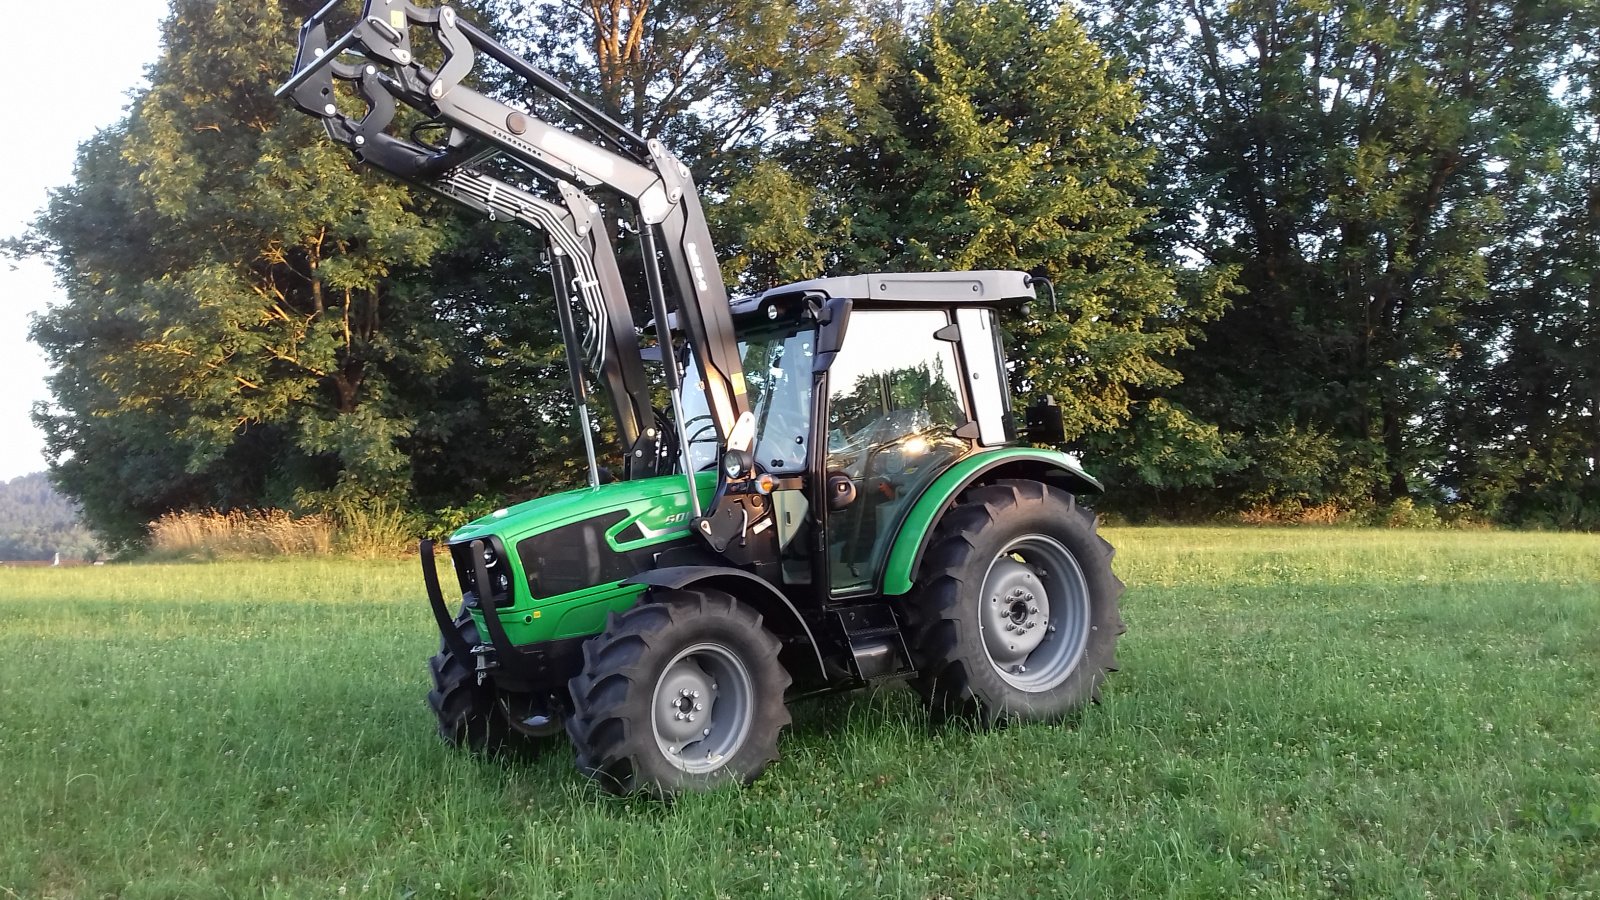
(698, 435)
(695, 435)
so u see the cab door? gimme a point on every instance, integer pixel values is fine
(895, 401)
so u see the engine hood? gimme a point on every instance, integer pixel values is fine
(657, 505)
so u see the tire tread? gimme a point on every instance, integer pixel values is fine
(942, 677)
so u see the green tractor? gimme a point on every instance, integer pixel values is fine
(831, 495)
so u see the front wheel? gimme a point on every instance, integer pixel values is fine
(477, 717)
(681, 693)
(1015, 613)
(464, 708)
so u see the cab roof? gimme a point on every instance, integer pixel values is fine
(985, 286)
(977, 287)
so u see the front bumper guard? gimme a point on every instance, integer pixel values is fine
(541, 666)
(441, 613)
(507, 657)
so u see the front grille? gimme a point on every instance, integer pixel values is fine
(499, 568)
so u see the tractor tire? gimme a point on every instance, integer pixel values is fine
(465, 709)
(683, 692)
(1015, 611)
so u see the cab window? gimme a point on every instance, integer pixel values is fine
(894, 401)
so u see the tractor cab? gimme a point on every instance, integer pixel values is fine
(863, 390)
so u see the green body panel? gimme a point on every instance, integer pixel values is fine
(897, 570)
(659, 506)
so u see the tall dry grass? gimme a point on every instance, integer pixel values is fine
(212, 534)
(1294, 513)
(377, 529)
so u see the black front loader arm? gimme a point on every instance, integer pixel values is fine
(571, 228)
(641, 170)
(644, 172)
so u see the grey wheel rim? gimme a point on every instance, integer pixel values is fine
(702, 707)
(1034, 613)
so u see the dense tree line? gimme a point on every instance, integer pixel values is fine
(1308, 253)
(1408, 193)
(37, 522)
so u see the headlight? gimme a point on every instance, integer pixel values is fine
(737, 462)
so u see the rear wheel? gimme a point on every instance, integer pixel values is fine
(1015, 614)
(682, 693)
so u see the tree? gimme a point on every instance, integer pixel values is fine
(725, 86)
(1526, 450)
(237, 338)
(1354, 160)
(997, 136)
(268, 325)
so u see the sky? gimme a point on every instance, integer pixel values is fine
(78, 77)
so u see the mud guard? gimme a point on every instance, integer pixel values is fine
(748, 588)
(1048, 466)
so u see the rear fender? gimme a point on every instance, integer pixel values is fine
(1048, 466)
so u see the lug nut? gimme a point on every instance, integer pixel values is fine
(699, 706)
(694, 693)
(690, 717)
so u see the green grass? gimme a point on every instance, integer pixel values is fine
(1300, 713)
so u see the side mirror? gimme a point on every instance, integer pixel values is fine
(1044, 422)
(832, 322)
(841, 491)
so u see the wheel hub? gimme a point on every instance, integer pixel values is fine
(1034, 613)
(690, 702)
(1017, 611)
(702, 707)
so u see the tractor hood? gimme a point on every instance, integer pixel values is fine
(657, 505)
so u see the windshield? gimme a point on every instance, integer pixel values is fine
(777, 374)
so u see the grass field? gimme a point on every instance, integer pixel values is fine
(1300, 713)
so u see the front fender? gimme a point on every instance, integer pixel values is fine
(779, 615)
(1048, 466)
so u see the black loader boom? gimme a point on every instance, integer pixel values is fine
(377, 58)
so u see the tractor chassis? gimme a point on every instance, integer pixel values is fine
(843, 647)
